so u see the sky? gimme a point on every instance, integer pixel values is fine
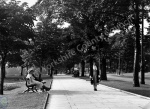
(30, 2)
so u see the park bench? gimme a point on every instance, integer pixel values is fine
(30, 87)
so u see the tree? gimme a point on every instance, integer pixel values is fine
(15, 60)
(16, 28)
(122, 50)
(137, 46)
(90, 18)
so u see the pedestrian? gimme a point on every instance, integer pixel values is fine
(95, 76)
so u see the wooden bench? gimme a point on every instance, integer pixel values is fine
(30, 87)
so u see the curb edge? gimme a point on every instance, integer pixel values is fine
(45, 104)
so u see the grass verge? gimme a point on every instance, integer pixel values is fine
(18, 100)
(125, 85)
(9, 87)
(143, 90)
(26, 100)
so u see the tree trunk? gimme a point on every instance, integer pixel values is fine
(48, 70)
(126, 67)
(83, 68)
(110, 69)
(91, 66)
(40, 78)
(103, 69)
(51, 74)
(142, 54)
(137, 51)
(119, 66)
(2, 74)
(21, 73)
(2, 80)
(41, 63)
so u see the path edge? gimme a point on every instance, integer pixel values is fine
(45, 104)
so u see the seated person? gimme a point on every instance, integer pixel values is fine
(36, 78)
(31, 80)
(36, 73)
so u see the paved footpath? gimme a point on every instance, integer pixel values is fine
(73, 93)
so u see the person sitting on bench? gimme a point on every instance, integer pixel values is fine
(31, 80)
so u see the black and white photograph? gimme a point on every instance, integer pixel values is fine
(74, 54)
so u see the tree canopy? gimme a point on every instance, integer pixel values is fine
(87, 36)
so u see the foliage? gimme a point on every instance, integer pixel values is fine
(14, 60)
(16, 24)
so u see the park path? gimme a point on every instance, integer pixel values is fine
(74, 93)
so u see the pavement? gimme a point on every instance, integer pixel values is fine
(68, 92)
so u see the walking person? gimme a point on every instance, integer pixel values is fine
(95, 77)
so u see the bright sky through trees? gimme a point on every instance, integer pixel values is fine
(30, 2)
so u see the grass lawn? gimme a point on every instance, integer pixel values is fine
(16, 99)
(26, 100)
(9, 87)
(125, 82)
(14, 85)
(128, 86)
